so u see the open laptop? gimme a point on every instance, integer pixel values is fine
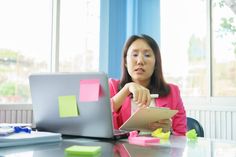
(73, 104)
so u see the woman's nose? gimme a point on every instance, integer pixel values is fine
(140, 59)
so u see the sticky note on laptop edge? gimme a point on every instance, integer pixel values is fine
(89, 90)
(83, 150)
(68, 106)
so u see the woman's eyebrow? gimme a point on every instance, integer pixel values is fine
(145, 50)
(135, 50)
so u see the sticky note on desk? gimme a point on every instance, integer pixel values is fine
(158, 133)
(83, 150)
(68, 106)
(143, 140)
(191, 134)
(89, 90)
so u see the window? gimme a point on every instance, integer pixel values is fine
(224, 49)
(79, 35)
(203, 54)
(27, 36)
(25, 46)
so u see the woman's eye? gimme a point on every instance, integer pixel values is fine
(147, 55)
(134, 54)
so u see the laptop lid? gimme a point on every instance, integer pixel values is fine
(72, 103)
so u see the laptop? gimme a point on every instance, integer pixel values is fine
(75, 104)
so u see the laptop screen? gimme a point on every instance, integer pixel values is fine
(72, 103)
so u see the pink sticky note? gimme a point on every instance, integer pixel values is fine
(89, 90)
(143, 140)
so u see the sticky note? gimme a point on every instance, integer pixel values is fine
(158, 133)
(191, 134)
(83, 150)
(89, 90)
(143, 140)
(68, 106)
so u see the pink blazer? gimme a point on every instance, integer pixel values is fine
(172, 101)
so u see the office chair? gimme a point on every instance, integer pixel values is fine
(194, 124)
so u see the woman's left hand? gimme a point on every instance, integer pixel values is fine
(165, 124)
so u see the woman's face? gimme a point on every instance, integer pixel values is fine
(140, 62)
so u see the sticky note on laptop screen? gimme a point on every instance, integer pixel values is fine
(68, 106)
(89, 90)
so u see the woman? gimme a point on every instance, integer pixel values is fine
(141, 76)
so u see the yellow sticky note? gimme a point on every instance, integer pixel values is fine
(68, 106)
(158, 133)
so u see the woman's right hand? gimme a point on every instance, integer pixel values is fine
(141, 95)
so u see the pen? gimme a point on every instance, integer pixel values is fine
(18, 129)
(154, 96)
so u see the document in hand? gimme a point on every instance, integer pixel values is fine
(34, 137)
(141, 119)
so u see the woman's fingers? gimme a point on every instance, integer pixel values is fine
(165, 124)
(141, 95)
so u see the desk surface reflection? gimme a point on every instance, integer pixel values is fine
(175, 147)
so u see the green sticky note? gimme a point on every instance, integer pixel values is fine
(83, 150)
(191, 134)
(68, 106)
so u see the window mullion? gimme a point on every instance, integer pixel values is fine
(209, 50)
(54, 63)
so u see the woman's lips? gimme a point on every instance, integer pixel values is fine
(139, 70)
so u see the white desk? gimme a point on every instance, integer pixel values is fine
(175, 147)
